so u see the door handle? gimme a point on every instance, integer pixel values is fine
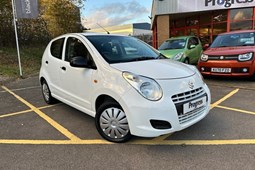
(63, 68)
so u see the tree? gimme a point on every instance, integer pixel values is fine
(56, 17)
(6, 23)
(61, 16)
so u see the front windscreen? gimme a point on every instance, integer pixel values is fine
(234, 40)
(119, 49)
(173, 44)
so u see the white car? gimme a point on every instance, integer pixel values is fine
(140, 93)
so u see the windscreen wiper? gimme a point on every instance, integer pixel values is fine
(161, 56)
(142, 58)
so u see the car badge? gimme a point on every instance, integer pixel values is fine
(221, 57)
(191, 85)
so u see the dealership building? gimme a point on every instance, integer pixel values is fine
(203, 18)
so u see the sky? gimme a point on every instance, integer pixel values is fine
(115, 12)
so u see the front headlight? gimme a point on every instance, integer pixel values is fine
(204, 57)
(245, 57)
(147, 87)
(178, 56)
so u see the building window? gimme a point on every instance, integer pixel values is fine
(219, 28)
(241, 14)
(241, 19)
(220, 16)
(241, 25)
(180, 23)
(191, 21)
(205, 33)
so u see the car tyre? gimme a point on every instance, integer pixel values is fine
(111, 122)
(186, 61)
(47, 93)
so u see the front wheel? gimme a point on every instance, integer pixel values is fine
(186, 61)
(112, 123)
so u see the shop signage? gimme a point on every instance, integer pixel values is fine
(204, 5)
(227, 3)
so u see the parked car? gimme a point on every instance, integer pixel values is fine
(124, 83)
(231, 55)
(187, 49)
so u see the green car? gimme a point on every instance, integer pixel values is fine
(186, 49)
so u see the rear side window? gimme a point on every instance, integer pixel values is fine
(56, 48)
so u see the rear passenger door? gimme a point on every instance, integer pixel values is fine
(52, 64)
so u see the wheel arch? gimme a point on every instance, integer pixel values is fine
(42, 79)
(102, 99)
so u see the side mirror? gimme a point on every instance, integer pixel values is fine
(192, 46)
(206, 46)
(79, 62)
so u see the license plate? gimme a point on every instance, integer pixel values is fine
(221, 70)
(194, 104)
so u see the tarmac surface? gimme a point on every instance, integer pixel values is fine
(35, 135)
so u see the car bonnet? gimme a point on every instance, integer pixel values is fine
(156, 69)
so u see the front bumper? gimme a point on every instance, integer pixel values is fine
(238, 69)
(141, 111)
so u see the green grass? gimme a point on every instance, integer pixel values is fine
(30, 61)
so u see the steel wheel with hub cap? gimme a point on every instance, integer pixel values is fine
(47, 94)
(112, 123)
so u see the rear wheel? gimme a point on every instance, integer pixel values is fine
(112, 123)
(47, 94)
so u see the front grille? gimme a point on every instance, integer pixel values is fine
(183, 98)
(223, 57)
(186, 96)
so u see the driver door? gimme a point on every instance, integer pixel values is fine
(76, 82)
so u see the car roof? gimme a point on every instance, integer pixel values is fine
(95, 34)
(181, 37)
(88, 34)
(239, 31)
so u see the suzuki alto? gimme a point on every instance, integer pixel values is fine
(128, 86)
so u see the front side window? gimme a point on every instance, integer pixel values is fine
(56, 48)
(173, 44)
(233, 40)
(193, 41)
(119, 49)
(75, 48)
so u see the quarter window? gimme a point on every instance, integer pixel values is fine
(56, 48)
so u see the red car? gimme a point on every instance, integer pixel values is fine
(231, 54)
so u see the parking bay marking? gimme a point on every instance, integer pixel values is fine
(224, 98)
(236, 110)
(157, 141)
(135, 142)
(25, 88)
(25, 111)
(52, 122)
